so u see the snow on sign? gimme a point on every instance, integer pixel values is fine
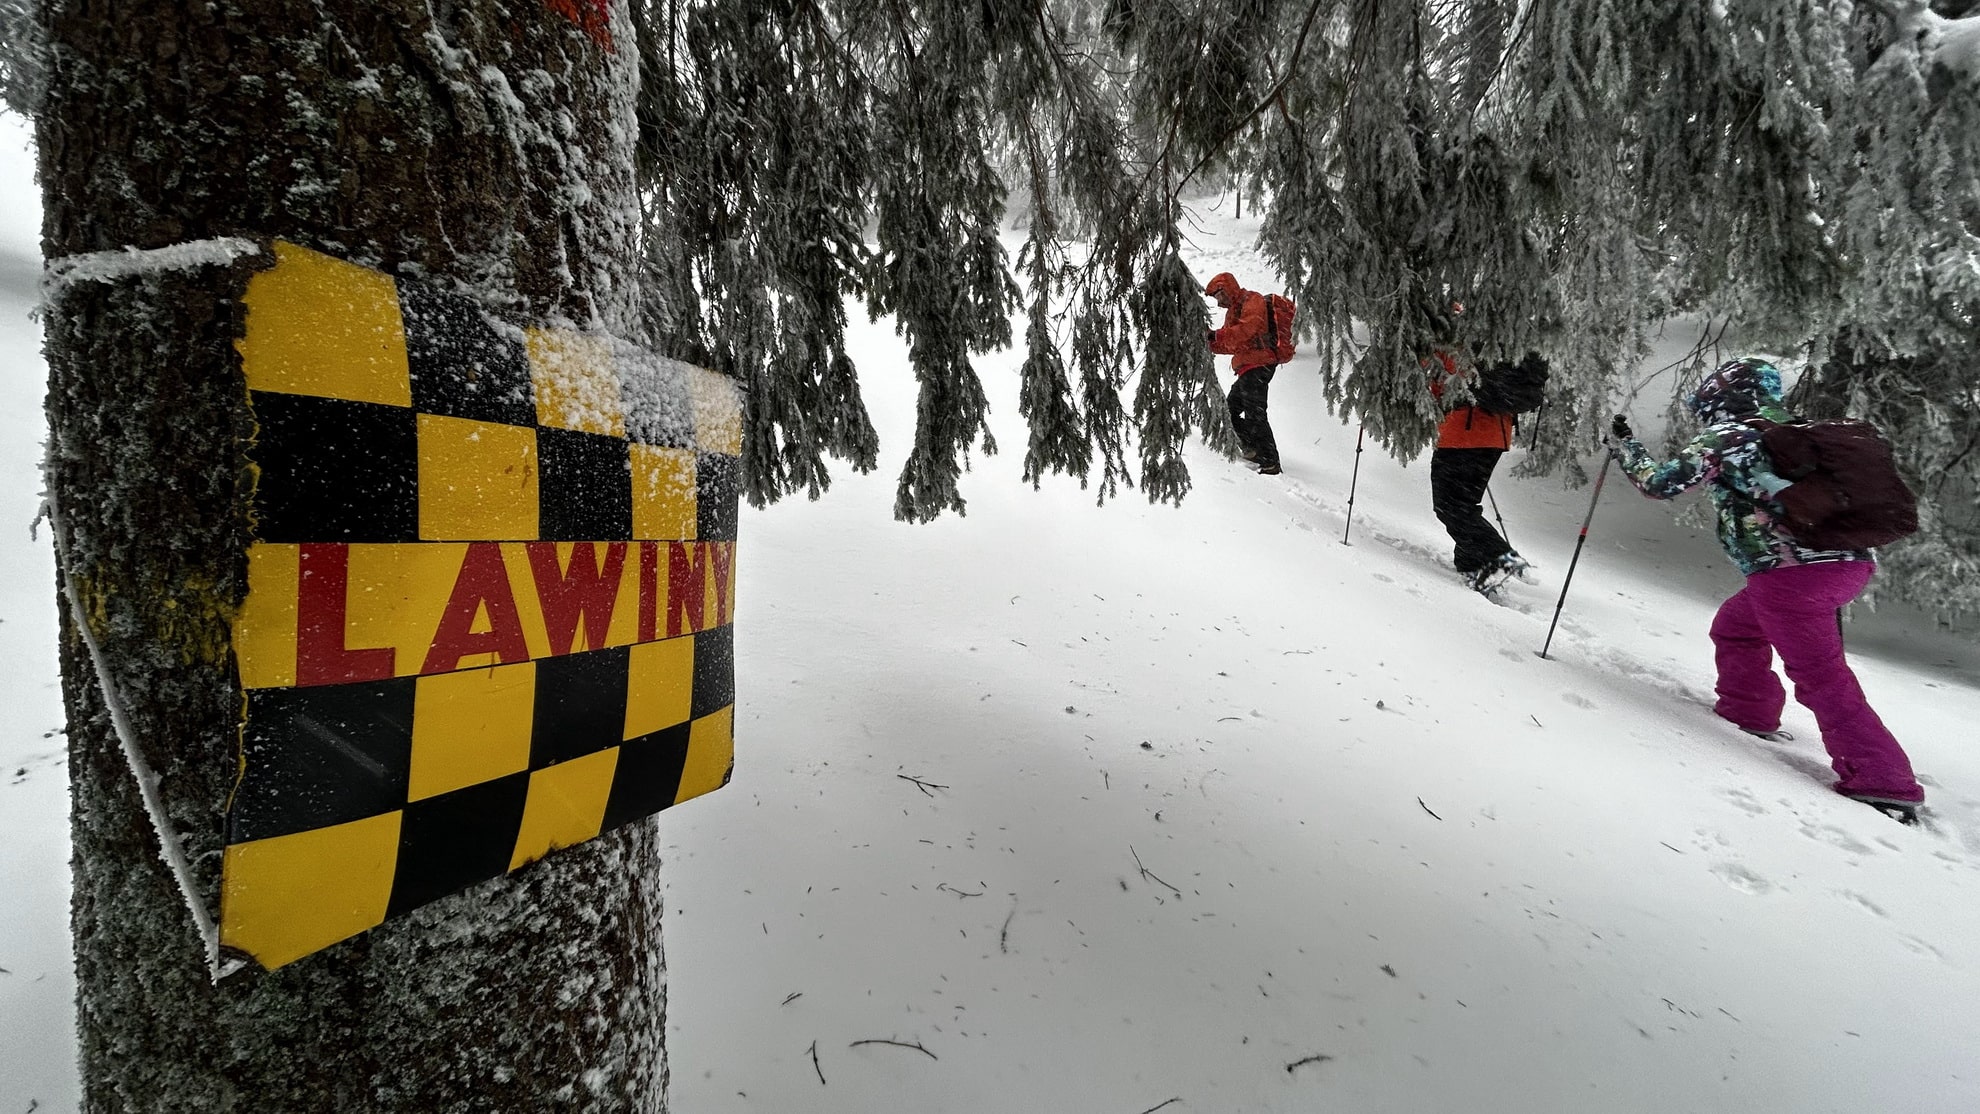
(489, 596)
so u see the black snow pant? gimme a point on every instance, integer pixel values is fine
(1457, 490)
(1247, 403)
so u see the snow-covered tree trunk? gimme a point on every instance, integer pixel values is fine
(484, 145)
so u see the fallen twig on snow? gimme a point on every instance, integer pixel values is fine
(1426, 808)
(1004, 934)
(795, 995)
(898, 1044)
(1316, 1058)
(814, 1064)
(957, 892)
(1160, 1105)
(925, 786)
(1147, 873)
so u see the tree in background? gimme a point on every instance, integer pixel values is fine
(485, 146)
(1575, 172)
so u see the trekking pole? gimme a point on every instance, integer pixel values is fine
(1352, 481)
(1495, 514)
(1578, 543)
(1537, 415)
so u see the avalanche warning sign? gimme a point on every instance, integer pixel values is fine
(489, 599)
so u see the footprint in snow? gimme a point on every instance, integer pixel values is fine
(1743, 800)
(1864, 902)
(1740, 878)
(1921, 947)
(1578, 700)
(1806, 764)
(1836, 836)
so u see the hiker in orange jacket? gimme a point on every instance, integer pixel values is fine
(1246, 338)
(1470, 442)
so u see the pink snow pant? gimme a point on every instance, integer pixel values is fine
(1793, 611)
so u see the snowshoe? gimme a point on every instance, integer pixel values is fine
(1775, 736)
(1513, 565)
(1904, 812)
(1271, 469)
(1486, 581)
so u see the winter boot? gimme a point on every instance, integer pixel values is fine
(1271, 469)
(1775, 736)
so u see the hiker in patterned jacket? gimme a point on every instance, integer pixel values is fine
(1791, 601)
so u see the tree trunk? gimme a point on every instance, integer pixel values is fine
(482, 145)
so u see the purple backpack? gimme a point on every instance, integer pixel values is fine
(1845, 491)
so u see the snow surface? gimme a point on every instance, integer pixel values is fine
(1199, 809)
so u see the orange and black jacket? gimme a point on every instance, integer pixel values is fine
(1468, 427)
(1247, 334)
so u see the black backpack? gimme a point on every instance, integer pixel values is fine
(1844, 490)
(1507, 388)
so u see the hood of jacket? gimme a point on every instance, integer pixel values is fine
(1738, 389)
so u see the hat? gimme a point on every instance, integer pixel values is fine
(1737, 389)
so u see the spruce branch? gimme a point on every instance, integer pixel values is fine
(1271, 96)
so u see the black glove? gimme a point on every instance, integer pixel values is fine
(1620, 427)
(1210, 337)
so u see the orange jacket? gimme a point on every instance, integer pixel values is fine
(1246, 335)
(1468, 427)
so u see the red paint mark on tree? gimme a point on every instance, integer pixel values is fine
(595, 16)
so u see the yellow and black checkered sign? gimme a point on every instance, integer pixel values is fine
(488, 599)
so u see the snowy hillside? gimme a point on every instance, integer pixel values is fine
(1062, 809)
(1377, 828)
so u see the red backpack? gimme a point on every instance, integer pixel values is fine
(1845, 491)
(1278, 337)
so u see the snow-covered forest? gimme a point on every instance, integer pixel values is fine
(1176, 802)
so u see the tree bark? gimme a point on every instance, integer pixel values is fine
(484, 145)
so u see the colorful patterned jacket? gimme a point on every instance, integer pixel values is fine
(1729, 456)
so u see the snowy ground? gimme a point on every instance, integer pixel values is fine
(1135, 808)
